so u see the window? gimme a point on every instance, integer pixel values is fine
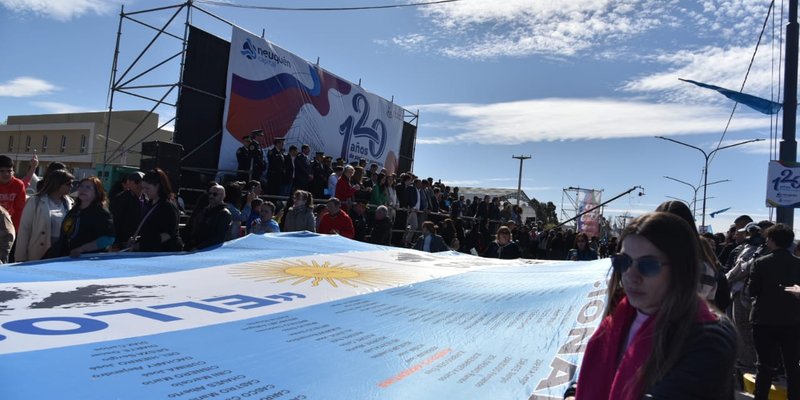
(83, 143)
(63, 143)
(27, 144)
(44, 143)
(10, 143)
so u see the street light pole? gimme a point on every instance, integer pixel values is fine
(788, 144)
(519, 181)
(695, 189)
(705, 168)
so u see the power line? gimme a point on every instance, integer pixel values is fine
(272, 8)
(749, 67)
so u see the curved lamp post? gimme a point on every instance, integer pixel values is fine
(695, 189)
(705, 168)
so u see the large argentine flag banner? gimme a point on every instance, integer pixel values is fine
(295, 316)
(274, 90)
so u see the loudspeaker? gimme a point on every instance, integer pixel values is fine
(164, 155)
(170, 167)
(162, 150)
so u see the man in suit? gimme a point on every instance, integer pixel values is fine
(276, 169)
(775, 315)
(302, 169)
(430, 241)
(319, 178)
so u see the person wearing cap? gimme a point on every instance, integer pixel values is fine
(319, 177)
(752, 248)
(276, 168)
(302, 170)
(126, 209)
(250, 159)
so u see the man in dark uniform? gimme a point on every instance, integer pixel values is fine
(319, 180)
(302, 169)
(276, 170)
(288, 183)
(250, 159)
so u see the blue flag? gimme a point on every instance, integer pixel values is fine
(718, 212)
(763, 106)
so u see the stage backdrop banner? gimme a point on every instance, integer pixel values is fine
(274, 90)
(589, 223)
(295, 316)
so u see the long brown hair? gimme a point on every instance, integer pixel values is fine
(99, 192)
(678, 313)
(54, 181)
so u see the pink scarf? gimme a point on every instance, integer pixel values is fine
(604, 374)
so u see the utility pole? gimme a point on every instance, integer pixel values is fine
(519, 181)
(788, 146)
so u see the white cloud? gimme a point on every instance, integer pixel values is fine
(60, 10)
(59, 108)
(479, 29)
(25, 86)
(725, 67)
(573, 119)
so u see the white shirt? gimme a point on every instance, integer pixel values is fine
(57, 213)
(332, 181)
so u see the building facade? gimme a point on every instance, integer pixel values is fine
(79, 139)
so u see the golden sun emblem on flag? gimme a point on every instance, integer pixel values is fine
(301, 271)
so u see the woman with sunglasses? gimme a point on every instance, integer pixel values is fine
(658, 338)
(40, 226)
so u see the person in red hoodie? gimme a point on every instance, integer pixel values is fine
(658, 338)
(12, 190)
(336, 221)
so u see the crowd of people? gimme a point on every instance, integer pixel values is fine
(685, 312)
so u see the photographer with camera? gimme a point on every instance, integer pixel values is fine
(250, 158)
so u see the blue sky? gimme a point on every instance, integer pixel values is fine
(583, 87)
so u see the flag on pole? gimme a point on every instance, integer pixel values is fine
(763, 106)
(718, 212)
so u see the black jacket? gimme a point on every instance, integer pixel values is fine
(164, 219)
(437, 244)
(705, 371)
(83, 226)
(127, 212)
(214, 226)
(381, 232)
(769, 275)
(507, 252)
(302, 171)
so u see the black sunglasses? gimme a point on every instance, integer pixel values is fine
(648, 266)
